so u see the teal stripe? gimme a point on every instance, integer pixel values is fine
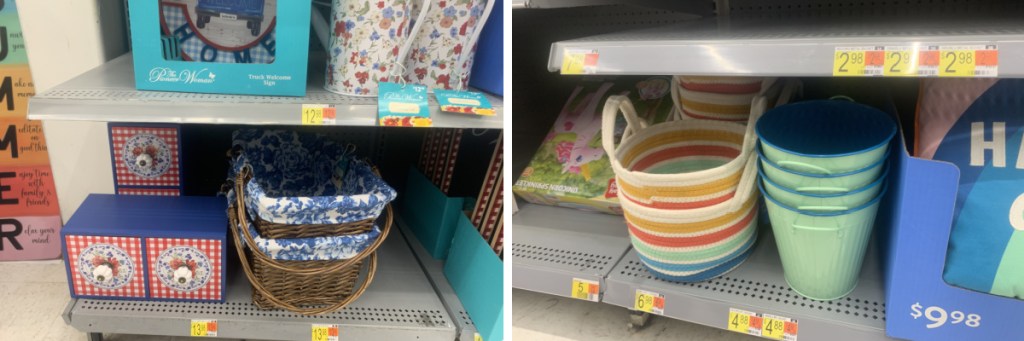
(1009, 280)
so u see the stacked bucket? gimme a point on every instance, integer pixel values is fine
(823, 168)
(687, 190)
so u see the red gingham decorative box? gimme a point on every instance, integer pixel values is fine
(155, 247)
(146, 156)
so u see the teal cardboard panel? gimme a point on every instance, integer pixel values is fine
(430, 214)
(475, 273)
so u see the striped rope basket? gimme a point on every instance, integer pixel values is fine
(717, 98)
(687, 189)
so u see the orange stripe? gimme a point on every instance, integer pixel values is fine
(691, 227)
(722, 88)
(716, 108)
(706, 239)
(683, 151)
(703, 189)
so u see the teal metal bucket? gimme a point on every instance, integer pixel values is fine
(822, 250)
(809, 182)
(824, 196)
(825, 136)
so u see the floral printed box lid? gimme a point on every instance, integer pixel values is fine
(147, 247)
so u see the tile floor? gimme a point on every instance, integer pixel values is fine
(541, 317)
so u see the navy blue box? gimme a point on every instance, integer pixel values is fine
(147, 247)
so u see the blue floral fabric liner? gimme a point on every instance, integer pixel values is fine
(307, 179)
(314, 248)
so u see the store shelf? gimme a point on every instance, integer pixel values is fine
(400, 304)
(435, 273)
(758, 286)
(697, 7)
(794, 43)
(553, 245)
(107, 93)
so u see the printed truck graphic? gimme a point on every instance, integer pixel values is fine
(249, 10)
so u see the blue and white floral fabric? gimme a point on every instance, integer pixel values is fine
(315, 248)
(307, 179)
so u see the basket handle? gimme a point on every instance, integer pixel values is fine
(240, 211)
(612, 107)
(256, 285)
(796, 165)
(747, 183)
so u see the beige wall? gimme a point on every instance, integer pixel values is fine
(65, 38)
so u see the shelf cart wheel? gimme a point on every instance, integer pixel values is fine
(638, 320)
(248, 24)
(95, 336)
(255, 29)
(203, 19)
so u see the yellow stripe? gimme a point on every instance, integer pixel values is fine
(691, 227)
(646, 192)
(659, 140)
(715, 108)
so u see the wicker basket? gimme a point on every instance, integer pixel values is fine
(303, 287)
(277, 230)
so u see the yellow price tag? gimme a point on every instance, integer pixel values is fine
(325, 332)
(585, 289)
(312, 115)
(739, 321)
(742, 321)
(318, 114)
(579, 62)
(477, 337)
(956, 63)
(900, 61)
(650, 302)
(773, 328)
(203, 328)
(858, 61)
